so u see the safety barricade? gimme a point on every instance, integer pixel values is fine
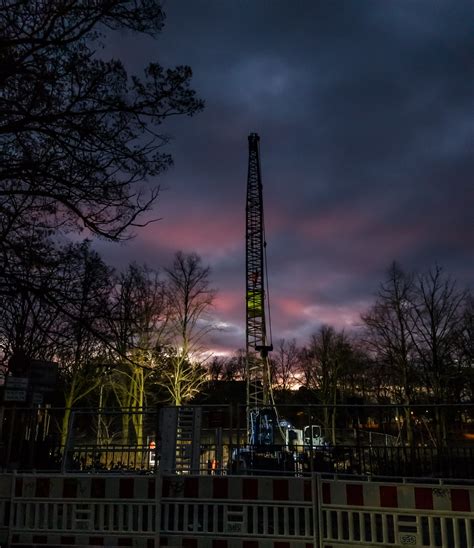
(202, 511)
(237, 512)
(369, 513)
(232, 512)
(84, 511)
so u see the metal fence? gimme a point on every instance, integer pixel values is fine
(372, 441)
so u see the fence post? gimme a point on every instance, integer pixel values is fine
(158, 447)
(311, 451)
(317, 510)
(231, 439)
(158, 491)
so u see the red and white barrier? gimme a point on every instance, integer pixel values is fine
(405, 496)
(203, 511)
(251, 512)
(231, 512)
(238, 488)
(85, 487)
(394, 514)
(84, 511)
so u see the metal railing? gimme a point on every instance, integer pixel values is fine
(372, 441)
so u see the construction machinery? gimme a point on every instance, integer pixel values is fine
(271, 440)
(261, 416)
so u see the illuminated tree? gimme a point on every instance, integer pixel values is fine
(189, 298)
(138, 320)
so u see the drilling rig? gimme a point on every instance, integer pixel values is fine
(269, 439)
(261, 415)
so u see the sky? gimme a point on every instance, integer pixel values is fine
(365, 114)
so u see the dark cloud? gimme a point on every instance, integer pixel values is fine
(364, 109)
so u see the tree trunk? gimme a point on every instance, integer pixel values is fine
(69, 400)
(409, 424)
(333, 419)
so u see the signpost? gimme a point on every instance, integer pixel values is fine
(25, 390)
(16, 389)
(31, 382)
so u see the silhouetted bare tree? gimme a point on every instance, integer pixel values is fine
(27, 323)
(80, 139)
(437, 312)
(325, 362)
(77, 134)
(466, 350)
(438, 321)
(285, 364)
(389, 335)
(82, 332)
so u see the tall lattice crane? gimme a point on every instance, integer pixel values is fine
(258, 342)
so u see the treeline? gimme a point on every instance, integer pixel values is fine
(415, 344)
(121, 339)
(139, 336)
(134, 339)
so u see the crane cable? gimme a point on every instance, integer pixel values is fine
(272, 398)
(267, 290)
(266, 359)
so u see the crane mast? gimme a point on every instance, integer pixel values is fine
(257, 344)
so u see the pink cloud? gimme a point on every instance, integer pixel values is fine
(228, 302)
(288, 307)
(205, 232)
(299, 308)
(341, 316)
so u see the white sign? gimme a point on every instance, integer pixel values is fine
(17, 382)
(37, 398)
(15, 395)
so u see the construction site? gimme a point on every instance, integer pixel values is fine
(251, 474)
